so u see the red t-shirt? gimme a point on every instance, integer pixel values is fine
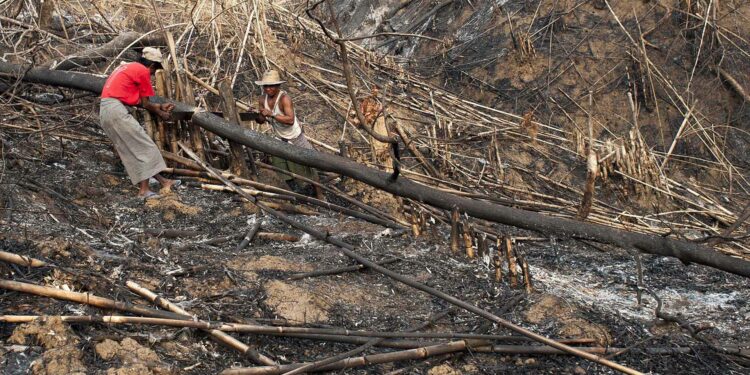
(128, 84)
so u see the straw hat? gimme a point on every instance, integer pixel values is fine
(152, 54)
(270, 78)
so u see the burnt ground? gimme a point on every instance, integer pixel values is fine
(92, 229)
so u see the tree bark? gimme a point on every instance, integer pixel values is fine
(237, 152)
(687, 252)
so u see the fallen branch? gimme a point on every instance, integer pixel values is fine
(287, 331)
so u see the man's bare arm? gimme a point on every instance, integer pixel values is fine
(287, 111)
(163, 110)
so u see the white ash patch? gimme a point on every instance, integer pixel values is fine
(619, 299)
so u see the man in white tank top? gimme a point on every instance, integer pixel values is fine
(277, 108)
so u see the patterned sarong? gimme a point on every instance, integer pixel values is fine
(293, 167)
(139, 155)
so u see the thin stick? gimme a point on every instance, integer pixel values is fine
(418, 353)
(676, 137)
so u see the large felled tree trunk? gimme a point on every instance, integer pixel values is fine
(687, 252)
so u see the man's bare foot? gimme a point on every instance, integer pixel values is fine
(169, 184)
(148, 195)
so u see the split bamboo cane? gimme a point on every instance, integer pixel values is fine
(21, 260)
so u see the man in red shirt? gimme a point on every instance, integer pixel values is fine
(130, 85)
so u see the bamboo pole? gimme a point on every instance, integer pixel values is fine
(526, 276)
(21, 260)
(249, 236)
(592, 166)
(196, 140)
(161, 131)
(468, 240)
(424, 352)
(84, 298)
(218, 335)
(304, 332)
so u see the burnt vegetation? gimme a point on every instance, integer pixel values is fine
(555, 186)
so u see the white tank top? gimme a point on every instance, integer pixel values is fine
(282, 130)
